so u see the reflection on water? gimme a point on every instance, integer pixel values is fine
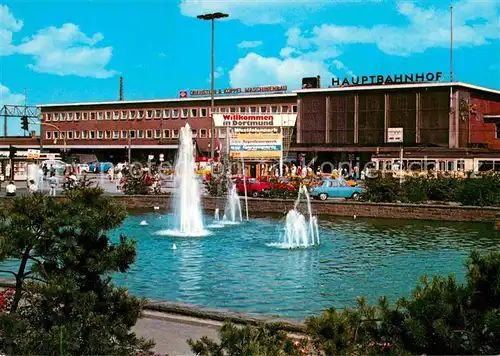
(233, 268)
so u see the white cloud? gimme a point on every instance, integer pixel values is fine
(64, 50)
(316, 52)
(8, 25)
(218, 73)
(249, 44)
(9, 98)
(475, 23)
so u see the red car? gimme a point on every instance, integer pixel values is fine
(254, 187)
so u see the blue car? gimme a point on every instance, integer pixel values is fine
(102, 167)
(336, 189)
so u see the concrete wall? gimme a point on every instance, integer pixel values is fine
(337, 208)
(329, 208)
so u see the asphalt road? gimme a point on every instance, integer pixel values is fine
(171, 332)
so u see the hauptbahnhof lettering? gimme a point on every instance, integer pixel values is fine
(389, 79)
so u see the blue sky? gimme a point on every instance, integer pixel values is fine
(71, 51)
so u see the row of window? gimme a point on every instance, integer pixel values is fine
(133, 134)
(165, 113)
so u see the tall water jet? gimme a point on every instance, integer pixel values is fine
(188, 215)
(232, 209)
(300, 232)
(244, 184)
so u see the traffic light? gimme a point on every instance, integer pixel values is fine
(24, 123)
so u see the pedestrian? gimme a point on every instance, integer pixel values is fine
(53, 184)
(10, 189)
(32, 188)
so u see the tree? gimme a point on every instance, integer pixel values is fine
(63, 246)
(262, 340)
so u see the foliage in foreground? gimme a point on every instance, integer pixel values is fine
(73, 308)
(479, 191)
(442, 317)
(246, 340)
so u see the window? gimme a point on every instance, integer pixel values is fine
(132, 115)
(232, 109)
(253, 109)
(56, 116)
(108, 115)
(131, 133)
(175, 113)
(48, 117)
(243, 109)
(175, 133)
(263, 109)
(100, 115)
(77, 135)
(194, 112)
(166, 113)
(498, 130)
(92, 135)
(140, 133)
(84, 134)
(222, 109)
(116, 115)
(56, 135)
(274, 109)
(48, 135)
(166, 133)
(85, 116)
(157, 114)
(222, 133)
(294, 108)
(203, 112)
(141, 115)
(284, 109)
(107, 134)
(149, 114)
(184, 113)
(78, 116)
(62, 117)
(70, 116)
(157, 133)
(116, 134)
(149, 134)
(69, 135)
(124, 115)
(124, 133)
(100, 135)
(194, 132)
(203, 133)
(92, 116)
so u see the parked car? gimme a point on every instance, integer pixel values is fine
(336, 189)
(58, 165)
(83, 168)
(254, 187)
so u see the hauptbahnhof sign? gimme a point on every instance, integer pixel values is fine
(389, 79)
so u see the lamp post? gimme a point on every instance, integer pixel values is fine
(212, 17)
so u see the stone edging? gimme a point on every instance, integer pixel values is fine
(195, 311)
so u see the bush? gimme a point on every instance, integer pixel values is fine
(476, 191)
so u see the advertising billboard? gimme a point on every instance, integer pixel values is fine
(255, 120)
(255, 145)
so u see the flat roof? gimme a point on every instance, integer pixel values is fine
(153, 101)
(396, 86)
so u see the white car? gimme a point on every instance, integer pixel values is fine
(83, 168)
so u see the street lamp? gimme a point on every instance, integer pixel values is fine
(212, 17)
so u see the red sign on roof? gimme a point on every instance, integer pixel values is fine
(183, 94)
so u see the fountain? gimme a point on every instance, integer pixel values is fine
(187, 199)
(216, 215)
(300, 232)
(232, 209)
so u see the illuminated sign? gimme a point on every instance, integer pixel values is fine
(264, 89)
(389, 79)
(255, 120)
